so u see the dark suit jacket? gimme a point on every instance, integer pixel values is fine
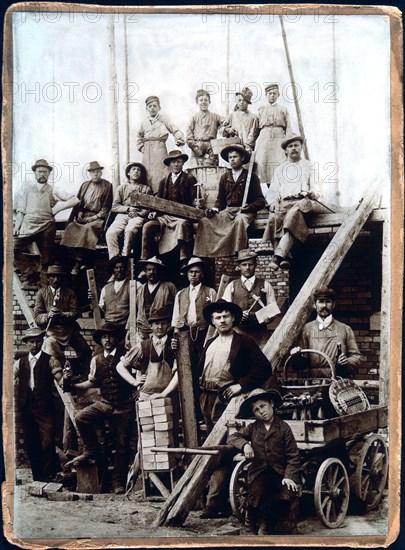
(230, 192)
(187, 190)
(248, 365)
(67, 305)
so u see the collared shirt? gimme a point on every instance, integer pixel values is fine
(192, 312)
(324, 323)
(117, 288)
(92, 373)
(236, 174)
(33, 361)
(159, 344)
(151, 287)
(216, 367)
(248, 283)
(175, 176)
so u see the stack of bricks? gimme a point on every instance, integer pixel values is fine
(156, 430)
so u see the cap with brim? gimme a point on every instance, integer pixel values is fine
(245, 410)
(94, 165)
(55, 270)
(33, 333)
(324, 292)
(290, 139)
(108, 328)
(152, 98)
(222, 305)
(239, 149)
(43, 163)
(246, 254)
(154, 261)
(130, 165)
(193, 262)
(173, 155)
(160, 314)
(271, 86)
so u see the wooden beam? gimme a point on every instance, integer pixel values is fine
(293, 321)
(91, 279)
(69, 404)
(159, 484)
(22, 301)
(132, 313)
(384, 367)
(164, 206)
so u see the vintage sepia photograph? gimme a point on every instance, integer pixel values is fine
(203, 270)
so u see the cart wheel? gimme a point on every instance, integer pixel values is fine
(238, 491)
(331, 493)
(370, 477)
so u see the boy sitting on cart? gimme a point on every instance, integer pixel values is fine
(273, 476)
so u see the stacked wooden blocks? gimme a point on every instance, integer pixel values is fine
(156, 425)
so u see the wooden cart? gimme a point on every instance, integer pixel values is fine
(340, 456)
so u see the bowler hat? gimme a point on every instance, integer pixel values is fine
(55, 270)
(245, 410)
(246, 93)
(94, 165)
(41, 162)
(33, 333)
(270, 86)
(324, 292)
(222, 305)
(239, 149)
(173, 155)
(108, 328)
(154, 261)
(246, 254)
(193, 262)
(290, 139)
(131, 164)
(152, 98)
(159, 315)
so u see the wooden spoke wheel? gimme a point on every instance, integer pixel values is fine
(369, 479)
(238, 491)
(331, 493)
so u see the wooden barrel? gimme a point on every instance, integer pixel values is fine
(209, 177)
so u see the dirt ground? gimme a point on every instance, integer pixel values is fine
(115, 516)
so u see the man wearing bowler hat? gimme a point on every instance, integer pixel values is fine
(114, 404)
(34, 222)
(173, 232)
(223, 230)
(129, 219)
(326, 334)
(293, 193)
(87, 219)
(34, 375)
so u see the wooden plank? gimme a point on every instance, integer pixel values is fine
(22, 301)
(133, 325)
(159, 484)
(186, 393)
(294, 320)
(361, 422)
(87, 479)
(384, 367)
(91, 280)
(69, 404)
(225, 279)
(164, 206)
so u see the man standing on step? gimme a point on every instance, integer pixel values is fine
(293, 193)
(114, 296)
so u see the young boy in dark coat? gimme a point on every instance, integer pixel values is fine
(273, 476)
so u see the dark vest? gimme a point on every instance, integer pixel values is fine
(117, 304)
(43, 380)
(148, 298)
(244, 298)
(113, 388)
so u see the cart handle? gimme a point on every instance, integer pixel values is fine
(321, 353)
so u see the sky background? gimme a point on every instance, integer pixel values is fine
(63, 97)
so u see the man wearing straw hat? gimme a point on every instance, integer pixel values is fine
(241, 122)
(223, 230)
(34, 375)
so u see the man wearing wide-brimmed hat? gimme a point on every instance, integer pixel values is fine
(34, 375)
(128, 219)
(36, 208)
(56, 310)
(87, 219)
(293, 193)
(241, 122)
(274, 125)
(155, 293)
(114, 404)
(174, 233)
(151, 141)
(273, 475)
(223, 231)
(329, 335)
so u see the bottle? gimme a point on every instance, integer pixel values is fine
(67, 376)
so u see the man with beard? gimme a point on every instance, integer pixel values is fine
(328, 335)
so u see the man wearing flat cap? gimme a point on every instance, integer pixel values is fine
(87, 219)
(129, 219)
(34, 375)
(34, 222)
(274, 125)
(252, 294)
(241, 122)
(223, 230)
(293, 193)
(173, 232)
(151, 141)
(330, 336)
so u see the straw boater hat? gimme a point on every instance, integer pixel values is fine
(245, 410)
(131, 164)
(246, 254)
(173, 155)
(41, 162)
(33, 333)
(152, 98)
(194, 262)
(108, 328)
(324, 292)
(160, 314)
(271, 86)
(55, 270)
(290, 139)
(153, 261)
(246, 93)
(222, 305)
(239, 149)
(94, 165)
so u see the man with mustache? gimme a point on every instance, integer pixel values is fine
(328, 335)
